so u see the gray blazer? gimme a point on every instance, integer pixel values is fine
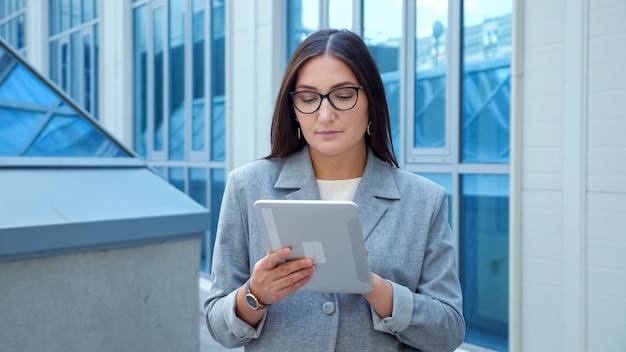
(406, 231)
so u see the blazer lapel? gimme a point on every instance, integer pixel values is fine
(376, 192)
(297, 174)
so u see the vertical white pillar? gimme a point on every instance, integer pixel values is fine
(37, 30)
(574, 175)
(255, 62)
(116, 89)
(515, 186)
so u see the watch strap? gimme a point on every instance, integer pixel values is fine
(251, 299)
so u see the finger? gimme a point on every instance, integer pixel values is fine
(278, 257)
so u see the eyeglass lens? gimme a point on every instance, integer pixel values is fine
(343, 98)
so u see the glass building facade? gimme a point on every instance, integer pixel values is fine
(74, 50)
(13, 23)
(451, 123)
(179, 123)
(446, 70)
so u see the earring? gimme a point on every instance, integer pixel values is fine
(368, 128)
(298, 133)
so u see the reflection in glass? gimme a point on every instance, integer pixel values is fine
(75, 67)
(430, 66)
(177, 177)
(218, 130)
(19, 85)
(36, 121)
(383, 35)
(198, 136)
(72, 136)
(487, 28)
(218, 90)
(176, 126)
(140, 84)
(217, 192)
(302, 20)
(159, 57)
(198, 181)
(485, 259)
(17, 129)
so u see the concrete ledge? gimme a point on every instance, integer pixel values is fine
(134, 299)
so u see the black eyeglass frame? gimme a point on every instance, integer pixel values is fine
(326, 96)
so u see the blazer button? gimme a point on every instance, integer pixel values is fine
(328, 308)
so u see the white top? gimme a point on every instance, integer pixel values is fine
(338, 189)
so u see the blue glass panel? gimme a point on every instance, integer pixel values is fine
(159, 57)
(302, 20)
(218, 90)
(88, 10)
(198, 80)
(486, 112)
(177, 177)
(75, 68)
(383, 39)
(218, 50)
(430, 109)
(198, 182)
(75, 15)
(96, 72)
(17, 129)
(177, 18)
(218, 131)
(485, 129)
(430, 65)
(217, 192)
(87, 72)
(22, 86)
(140, 84)
(485, 259)
(162, 171)
(72, 136)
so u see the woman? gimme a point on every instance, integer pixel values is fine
(331, 140)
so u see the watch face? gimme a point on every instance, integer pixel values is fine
(252, 302)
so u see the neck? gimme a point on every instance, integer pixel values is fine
(339, 167)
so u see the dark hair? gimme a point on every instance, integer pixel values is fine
(349, 48)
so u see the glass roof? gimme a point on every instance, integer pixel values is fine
(38, 120)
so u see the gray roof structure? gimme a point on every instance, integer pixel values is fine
(68, 186)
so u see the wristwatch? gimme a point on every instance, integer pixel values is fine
(253, 302)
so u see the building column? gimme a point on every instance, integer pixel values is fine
(37, 35)
(255, 63)
(574, 176)
(115, 86)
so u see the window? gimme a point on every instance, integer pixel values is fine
(178, 88)
(12, 24)
(35, 121)
(446, 70)
(74, 50)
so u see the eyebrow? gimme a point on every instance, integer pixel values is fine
(340, 84)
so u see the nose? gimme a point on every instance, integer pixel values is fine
(326, 112)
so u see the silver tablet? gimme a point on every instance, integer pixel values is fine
(329, 232)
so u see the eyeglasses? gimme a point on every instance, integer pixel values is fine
(342, 99)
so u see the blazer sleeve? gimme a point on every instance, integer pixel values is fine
(229, 271)
(431, 318)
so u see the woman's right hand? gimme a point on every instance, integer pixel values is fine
(273, 278)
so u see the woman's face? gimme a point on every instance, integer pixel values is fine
(328, 131)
